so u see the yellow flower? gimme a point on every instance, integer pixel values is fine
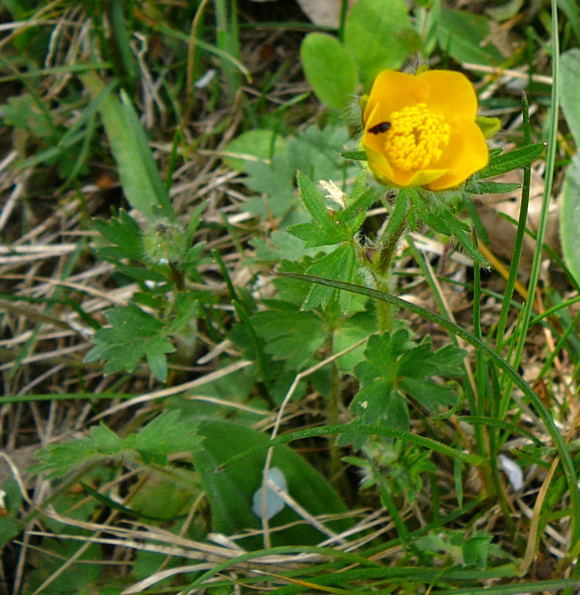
(420, 130)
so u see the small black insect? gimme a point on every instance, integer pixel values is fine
(380, 127)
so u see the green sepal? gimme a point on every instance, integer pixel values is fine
(489, 126)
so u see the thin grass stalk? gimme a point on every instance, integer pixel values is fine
(191, 56)
(342, 20)
(568, 332)
(228, 41)
(520, 235)
(481, 386)
(549, 179)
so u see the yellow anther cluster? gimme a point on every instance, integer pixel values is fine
(416, 138)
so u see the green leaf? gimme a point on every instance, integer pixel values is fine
(231, 491)
(394, 364)
(355, 155)
(376, 33)
(275, 180)
(124, 234)
(443, 219)
(357, 206)
(505, 11)
(570, 217)
(253, 145)
(422, 361)
(165, 497)
(381, 356)
(429, 394)
(133, 335)
(313, 201)
(505, 162)
(105, 440)
(140, 178)
(476, 550)
(315, 152)
(59, 459)
(290, 335)
(332, 226)
(22, 112)
(378, 402)
(185, 310)
(339, 264)
(351, 331)
(569, 77)
(466, 37)
(477, 187)
(572, 12)
(489, 126)
(325, 230)
(280, 245)
(167, 434)
(330, 70)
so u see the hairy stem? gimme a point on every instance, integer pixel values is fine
(382, 263)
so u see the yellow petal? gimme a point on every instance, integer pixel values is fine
(450, 94)
(390, 92)
(380, 166)
(466, 153)
(421, 177)
(390, 176)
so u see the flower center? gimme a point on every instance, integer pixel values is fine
(416, 137)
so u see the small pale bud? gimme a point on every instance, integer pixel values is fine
(164, 243)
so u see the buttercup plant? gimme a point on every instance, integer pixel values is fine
(420, 136)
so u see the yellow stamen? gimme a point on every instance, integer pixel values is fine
(416, 138)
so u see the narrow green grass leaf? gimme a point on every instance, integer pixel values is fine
(325, 551)
(517, 588)
(56, 70)
(228, 41)
(415, 574)
(246, 321)
(357, 428)
(519, 242)
(122, 54)
(496, 423)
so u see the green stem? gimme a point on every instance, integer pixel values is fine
(382, 263)
(392, 233)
